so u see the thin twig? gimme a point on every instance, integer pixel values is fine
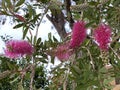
(64, 85)
(32, 76)
(42, 16)
(115, 39)
(32, 73)
(33, 65)
(92, 62)
(30, 33)
(115, 52)
(66, 78)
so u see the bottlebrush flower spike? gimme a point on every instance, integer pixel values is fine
(78, 34)
(102, 35)
(18, 48)
(63, 52)
(20, 17)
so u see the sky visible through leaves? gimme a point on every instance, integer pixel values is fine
(7, 29)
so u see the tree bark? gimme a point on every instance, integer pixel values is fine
(69, 15)
(59, 23)
(57, 18)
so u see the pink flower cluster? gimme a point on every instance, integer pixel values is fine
(18, 48)
(63, 52)
(102, 35)
(78, 34)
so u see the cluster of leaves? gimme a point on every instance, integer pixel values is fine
(89, 70)
(85, 70)
(16, 74)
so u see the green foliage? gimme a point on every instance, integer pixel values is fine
(43, 1)
(86, 69)
(40, 78)
(19, 3)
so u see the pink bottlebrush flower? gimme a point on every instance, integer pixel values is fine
(20, 17)
(63, 52)
(17, 48)
(78, 34)
(102, 35)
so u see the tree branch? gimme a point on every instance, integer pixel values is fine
(32, 76)
(59, 23)
(69, 15)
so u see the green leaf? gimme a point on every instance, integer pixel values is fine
(41, 44)
(44, 55)
(9, 4)
(103, 70)
(4, 12)
(38, 41)
(52, 60)
(75, 73)
(29, 39)
(18, 25)
(90, 23)
(34, 41)
(49, 35)
(25, 32)
(4, 6)
(44, 1)
(43, 60)
(55, 39)
(17, 9)
(11, 66)
(20, 2)
(31, 11)
(36, 18)
(116, 2)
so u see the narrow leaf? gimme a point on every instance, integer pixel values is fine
(20, 2)
(18, 25)
(38, 41)
(55, 39)
(25, 32)
(31, 11)
(9, 4)
(34, 40)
